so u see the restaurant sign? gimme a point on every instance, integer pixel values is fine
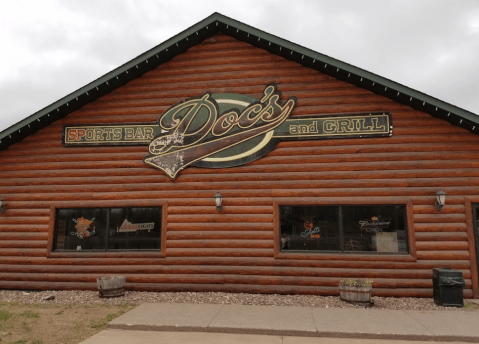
(219, 130)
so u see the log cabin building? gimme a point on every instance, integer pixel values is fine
(228, 159)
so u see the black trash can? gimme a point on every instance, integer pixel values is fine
(448, 285)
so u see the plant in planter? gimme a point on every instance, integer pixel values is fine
(357, 291)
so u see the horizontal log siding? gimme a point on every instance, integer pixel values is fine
(234, 250)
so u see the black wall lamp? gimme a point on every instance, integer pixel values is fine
(219, 201)
(440, 200)
(2, 206)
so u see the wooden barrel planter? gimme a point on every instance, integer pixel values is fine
(358, 295)
(111, 286)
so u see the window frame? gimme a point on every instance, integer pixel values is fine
(469, 203)
(107, 205)
(350, 201)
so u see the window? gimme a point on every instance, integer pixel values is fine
(108, 229)
(346, 228)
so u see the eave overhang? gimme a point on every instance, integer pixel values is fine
(220, 23)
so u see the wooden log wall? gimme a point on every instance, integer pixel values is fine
(233, 250)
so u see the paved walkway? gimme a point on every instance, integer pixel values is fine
(281, 325)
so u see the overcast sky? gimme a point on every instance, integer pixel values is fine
(51, 48)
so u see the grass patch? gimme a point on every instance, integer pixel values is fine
(470, 306)
(101, 323)
(126, 306)
(53, 324)
(5, 315)
(26, 328)
(30, 314)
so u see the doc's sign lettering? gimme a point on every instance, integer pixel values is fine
(197, 131)
(219, 130)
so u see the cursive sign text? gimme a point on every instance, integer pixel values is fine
(195, 130)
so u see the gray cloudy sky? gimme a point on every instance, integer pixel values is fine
(51, 48)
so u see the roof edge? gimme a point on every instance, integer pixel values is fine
(97, 83)
(209, 26)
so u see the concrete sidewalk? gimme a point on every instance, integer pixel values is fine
(289, 321)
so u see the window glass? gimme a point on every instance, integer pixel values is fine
(108, 229)
(310, 228)
(375, 228)
(368, 228)
(81, 229)
(134, 228)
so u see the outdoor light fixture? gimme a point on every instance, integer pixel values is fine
(218, 201)
(440, 200)
(2, 206)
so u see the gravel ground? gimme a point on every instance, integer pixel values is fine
(91, 297)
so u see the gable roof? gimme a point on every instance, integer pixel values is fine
(220, 23)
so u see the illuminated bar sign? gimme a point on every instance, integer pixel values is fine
(224, 130)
